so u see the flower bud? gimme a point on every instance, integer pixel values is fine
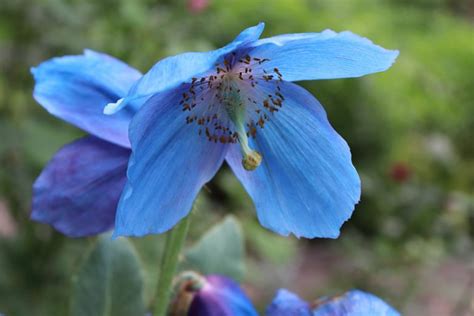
(220, 296)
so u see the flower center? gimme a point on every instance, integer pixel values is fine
(232, 102)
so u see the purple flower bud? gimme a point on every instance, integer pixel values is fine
(220, 296)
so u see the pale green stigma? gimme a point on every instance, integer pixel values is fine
(236, 110)
(252, 160)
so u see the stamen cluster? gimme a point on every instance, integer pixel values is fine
(228, 102)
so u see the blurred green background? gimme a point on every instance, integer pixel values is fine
(410, 129)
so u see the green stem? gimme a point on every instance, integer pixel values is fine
(169, 261)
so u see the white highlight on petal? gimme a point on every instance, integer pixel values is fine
(113, 108)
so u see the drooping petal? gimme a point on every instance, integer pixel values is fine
(76, 89)
(325, 55)
(306, 183)
(355, 303)
(287, 303)
(221, 296)
(169, 165)
(171, 71)
(78, 191)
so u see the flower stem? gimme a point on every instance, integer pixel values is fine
(169, 261)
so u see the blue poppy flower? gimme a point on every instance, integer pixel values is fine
(352, 303)
(78, 191)
(220, 296)
(238, 104)
(287, 303)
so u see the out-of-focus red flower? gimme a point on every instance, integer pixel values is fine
(197, 6)
(400, 172)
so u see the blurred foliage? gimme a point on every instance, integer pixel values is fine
(219, 251)
(109, 276)
(410, 131)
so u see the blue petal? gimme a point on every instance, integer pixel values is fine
(286, 303)
(169, 165)
(325, 55)
(250, 34)
(221, 296)
(78, 191)
(171, 71)
(306, 184)
(76, 89)
(355, 303)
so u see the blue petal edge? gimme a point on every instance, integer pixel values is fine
(306, 184)
(287, 303)
(325, 55)
(76, 88)
(169, 72)
(169, 165)
(354, 303)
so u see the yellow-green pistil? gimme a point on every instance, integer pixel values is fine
(235, 108)
(228, 106)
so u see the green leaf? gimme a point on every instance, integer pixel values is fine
(219, 251)
(110, 281)
(149, 249)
